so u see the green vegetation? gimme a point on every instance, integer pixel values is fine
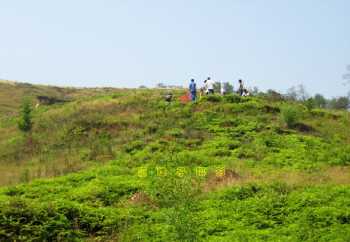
(291, 115)
(25, 120)
(124, 165)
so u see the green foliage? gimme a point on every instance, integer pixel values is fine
(320, 101)
(178, 193)
(310, 104)
(214, 98)
(233, 98)
(101, 146)
(340, 103)
(65, 210)
(25, 119)
(228, 88)
(290, 115)
(117, 202)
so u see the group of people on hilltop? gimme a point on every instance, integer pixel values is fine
(208, 89)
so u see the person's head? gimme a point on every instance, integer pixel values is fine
(245, 90)
(208, 78)
(240, 81)
(192, 80)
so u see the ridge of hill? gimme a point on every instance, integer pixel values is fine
(12, 93)
(133, 167)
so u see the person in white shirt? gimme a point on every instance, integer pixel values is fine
(246, 93)
(222, 88)
(210, 86)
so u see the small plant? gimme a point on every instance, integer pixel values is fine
(25, 120)
(25, 176)
(310, 104)
(290, 115)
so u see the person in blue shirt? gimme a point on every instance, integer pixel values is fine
(193, 90)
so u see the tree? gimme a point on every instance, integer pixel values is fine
(228, 87)
(310, 103)
(340, 103)
(302, 93)
(291, 93)
(217, 87)
(320, 101)
(297, 93)
(161, 85)
(254, 91)
(25, 119)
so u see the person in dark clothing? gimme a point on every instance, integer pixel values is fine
(241, 88)
(193, 90)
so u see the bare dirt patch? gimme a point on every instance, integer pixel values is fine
(221, 179)
(141, 198)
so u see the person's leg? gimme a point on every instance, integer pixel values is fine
(193, 95)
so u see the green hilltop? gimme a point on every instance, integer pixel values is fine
(125, 165)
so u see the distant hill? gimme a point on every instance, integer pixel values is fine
(12, 94)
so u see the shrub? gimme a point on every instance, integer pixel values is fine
(134, 146)
(310, 104)
(214, 98)
(233, 98)
(290, 115)
(25, 120)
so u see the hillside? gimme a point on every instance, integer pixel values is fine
(124, 165)
(24, 158)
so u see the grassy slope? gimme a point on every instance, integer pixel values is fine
(279, 183)
(23, 158)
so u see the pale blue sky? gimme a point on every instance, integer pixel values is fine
(127, 43)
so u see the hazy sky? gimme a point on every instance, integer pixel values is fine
(126, 43)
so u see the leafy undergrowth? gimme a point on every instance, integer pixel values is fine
(115, 204)
(222, 169)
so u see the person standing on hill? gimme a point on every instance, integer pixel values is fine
(241, 87)
(222, 88)
(204, 89)
(210, 86)
(193, 90)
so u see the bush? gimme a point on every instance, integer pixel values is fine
(25, 120)
(310, 104)
(232, 98)
(214, 98)
(290, 115)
